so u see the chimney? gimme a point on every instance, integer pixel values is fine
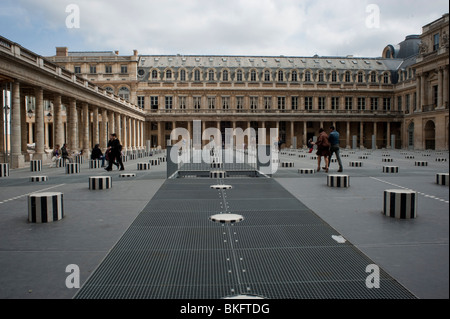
(62, 51)
(135, 52)
(116, 52)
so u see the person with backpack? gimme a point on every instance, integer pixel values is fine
(115, 153)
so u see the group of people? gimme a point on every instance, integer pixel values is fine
(327, 145)
(113, 154)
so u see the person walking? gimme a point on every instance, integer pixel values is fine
(333, 138)
(323, 149)
(115, 153)
(65, 154)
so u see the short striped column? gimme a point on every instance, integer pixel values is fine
(390, 169)
(4, 169)
(162, 159)
(61, 162)
(409, 156)
(313, 157)
(78, 159)
(302, 155)
(35, 165)
(441, 159)
(143, 166)
(45, 207)
(333, 160)
(127, 175)
(100, 182)
(355, 164)
(94, 164)
(400, 203)
(287, 164)
(344, 155)
(442, 179)
(363, 157)
(124, 158)
(338, 180)
(131, 156)
(421, 163)
(38, 179)
(217, 174)
(72, 168)
(154, 162)
(385, 155)
(426, 154)
(387, 160)
(216, 165)
(306, 171)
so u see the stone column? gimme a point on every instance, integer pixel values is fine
(361, 135)
(418, 93)
(375, 133)
(133, 134)
(72, 125)
(124, 133)
(111, 124)
(388, 134)
(347, 137)
(292, 134)
(305, 135)
(86, 124)
(24, 126)
(104, 130)
(440, 88)
(118, 125)
(262, 140)
(2, 126)
(130, 137)
(95, 125)
(15, 129)
(445, 87)
(39, 125)
(423, 100)
(57, 121)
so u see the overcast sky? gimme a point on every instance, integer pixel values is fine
(217, 27)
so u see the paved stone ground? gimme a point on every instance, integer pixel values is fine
(33, 257)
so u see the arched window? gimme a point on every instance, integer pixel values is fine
(386, 78)
(321, 76)
(373, 77)
(280, 76)
(347, 77)
(307, 76)
(239, 76)
(197, 75)
(360, 77)
(169, 75)
(211, 75)
(267, 75)
(183, 75)
(154, 75)
(225, 75)
(124, 93)
(253, 76)
(109, 89)
(334, 76)
(294, 76)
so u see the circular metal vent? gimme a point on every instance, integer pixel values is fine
(226, 218)
(221, 186)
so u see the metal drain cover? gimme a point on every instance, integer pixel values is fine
(221, 186)
(244, 297)
(226, 218)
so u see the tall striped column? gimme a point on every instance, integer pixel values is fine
(35, 165)
(442, 179)
(4, 169)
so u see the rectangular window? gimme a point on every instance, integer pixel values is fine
(239, 102)
(348, 103)
(321, 103)
(197, 102)
(108, 69)
(182, 100)
(334, 76)
(281, 103)
(169, 100)
(435, 95)
(408, 103)
(294, 102)
(436, 42)
(225, 103)
(267, 102)
(308, 103)
(77, 69)
(374, 103)
(399, 103)
(154, 102)
(211, 103)
(361, 103)
(334, 103)
(92, 69)
(123, 69)
(386, 104)
(141, 101)
(294, 76)
(253, 102)
(168, 127)
(182, 75)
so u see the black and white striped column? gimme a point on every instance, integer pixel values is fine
(306, 171)
(100, 182)
(124, 158)
(35, 165)
(127, 175)
(390, 169)
(387, 160)
(400, 203)
(143, 166)
(78, 159)
(355, 164)
(4, 169)
(363, 157)
(61, 162)
(338, 180)
(441, 159)
(442, 179)
(45, 207)
(217, 174)
(38, 179)
(287, 164)
(162, 159)
(154, 162)
(72, 168)
(409, 156)
(421, 163)
(94, 164)
(216, 165)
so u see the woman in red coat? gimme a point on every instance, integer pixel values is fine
(323, 149)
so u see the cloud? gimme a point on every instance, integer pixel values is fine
(231, 27)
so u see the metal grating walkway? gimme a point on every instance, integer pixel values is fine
(280, 250)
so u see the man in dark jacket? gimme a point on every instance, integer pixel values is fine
(97, 154)
(116, 151)
(333, 138)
